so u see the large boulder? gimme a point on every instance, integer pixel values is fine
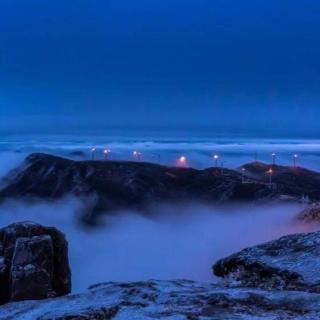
(32, 268)
(33, 262)
(291, 262)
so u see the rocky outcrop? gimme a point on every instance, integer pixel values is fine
(289, 263)
(32, 268)
(180, 299)
(311, 214)
(284, 276)
(33, 263)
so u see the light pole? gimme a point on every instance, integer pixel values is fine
(182, 161)
(157, 155)
(216, 158)
(274, 155)
(106, 153)
(295, 159)
(270, 172)
(136, 155)
(93, 151)
(243, 170)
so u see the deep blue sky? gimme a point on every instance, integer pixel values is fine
(228, 66)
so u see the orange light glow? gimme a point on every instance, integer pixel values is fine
(182, 161)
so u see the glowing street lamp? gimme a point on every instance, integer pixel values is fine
(106, 153)
(216, 158)
(182, 161)
(93, 151)
(270, 172)
(243, 170)
(274, 155)
(295, 159)
(136, 155)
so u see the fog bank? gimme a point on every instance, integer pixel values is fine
(178, 242)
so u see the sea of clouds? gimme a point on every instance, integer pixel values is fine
(199, 152)
(173, 241)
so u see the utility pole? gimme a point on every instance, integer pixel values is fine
(157, 155)
(274, 155)
(93, 151)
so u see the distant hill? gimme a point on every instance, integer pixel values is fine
(110, 185)
(294, 181)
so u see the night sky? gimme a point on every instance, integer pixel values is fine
(249, 67)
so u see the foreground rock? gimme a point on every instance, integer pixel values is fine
(33, 263)
(291, 262)
(168, 300)
(284, 275)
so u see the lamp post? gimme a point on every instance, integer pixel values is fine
(243, 170)
(216, 158)
(157, 155)
(106, 153)
(93, 151)
(270, 172)
(136, 155)
(295, 159)
(182, 161)
(274, 155)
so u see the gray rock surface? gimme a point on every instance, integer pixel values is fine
(171, 300)
(311, 214)
(33, 262)
(32, 268)
(291, 262)
(276, 280)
